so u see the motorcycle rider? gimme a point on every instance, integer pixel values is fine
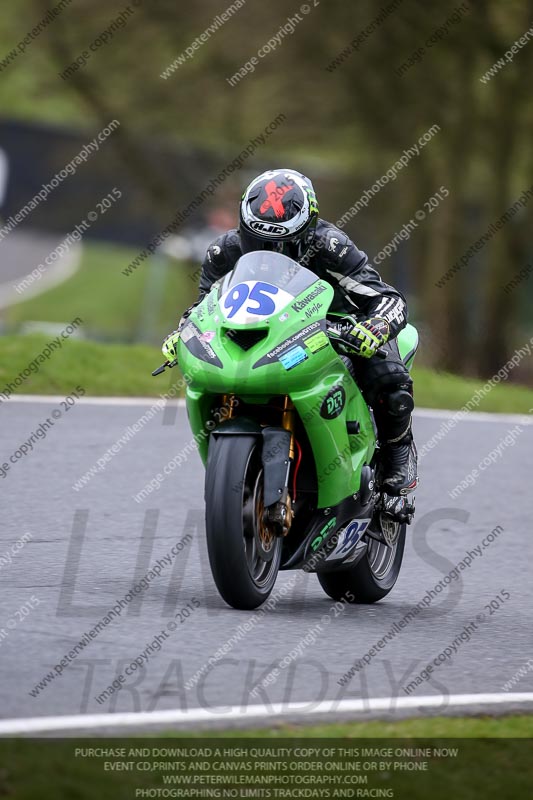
(284, 201)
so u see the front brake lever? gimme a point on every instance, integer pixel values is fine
(163, 367)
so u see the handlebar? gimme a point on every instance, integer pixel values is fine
(378, 354)
(333, 339)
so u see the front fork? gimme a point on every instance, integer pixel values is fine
(277, 460)
(282, 513)
(288, 422)
(229, 402)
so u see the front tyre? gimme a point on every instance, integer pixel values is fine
(374, 575)
(244, 554)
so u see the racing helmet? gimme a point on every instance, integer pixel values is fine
(279, 212)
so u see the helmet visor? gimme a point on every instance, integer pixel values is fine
(294, 247)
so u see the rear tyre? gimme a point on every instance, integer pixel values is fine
(374, 575)
(244, 554)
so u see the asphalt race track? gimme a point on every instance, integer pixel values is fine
(86, 549)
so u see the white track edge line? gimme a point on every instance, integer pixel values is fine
(474, 416)
(197, 715)
(430, 413)
(57, 274)
(92, 401)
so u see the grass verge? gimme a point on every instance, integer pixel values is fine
(114, 307)
(509, 727)
(466, 768)
(125, 370)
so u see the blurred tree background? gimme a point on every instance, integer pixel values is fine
(345, 126)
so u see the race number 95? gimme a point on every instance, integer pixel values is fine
(259, 297)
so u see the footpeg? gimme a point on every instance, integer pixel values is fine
(399, 509)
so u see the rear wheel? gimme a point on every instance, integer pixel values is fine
(373, 577)
(244, 553)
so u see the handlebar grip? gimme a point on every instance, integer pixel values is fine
(337, 339)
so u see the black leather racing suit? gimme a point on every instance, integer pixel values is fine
(360, 292)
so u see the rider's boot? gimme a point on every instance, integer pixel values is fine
(399, 463)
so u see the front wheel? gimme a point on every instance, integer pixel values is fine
(244, 554)
(375, 574)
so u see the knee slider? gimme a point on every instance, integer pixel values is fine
(387, 383)
(399, 403)
(383, 377)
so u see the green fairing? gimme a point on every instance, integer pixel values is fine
(408, 343)
(307, 383)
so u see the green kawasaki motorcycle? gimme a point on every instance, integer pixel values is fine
(288, 442)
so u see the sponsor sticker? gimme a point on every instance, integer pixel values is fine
(187, 333)
(317, 541)
(333, 403)
(299, 305)
(316, 342)
(291, 341)
(348, 538)
(293, 357)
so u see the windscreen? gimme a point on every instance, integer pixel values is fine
(261, 284)
(274, 268)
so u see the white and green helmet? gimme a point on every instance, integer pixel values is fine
(279, 212)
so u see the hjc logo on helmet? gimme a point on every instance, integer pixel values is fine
(268, 228)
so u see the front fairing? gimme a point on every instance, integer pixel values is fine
(261, 333)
